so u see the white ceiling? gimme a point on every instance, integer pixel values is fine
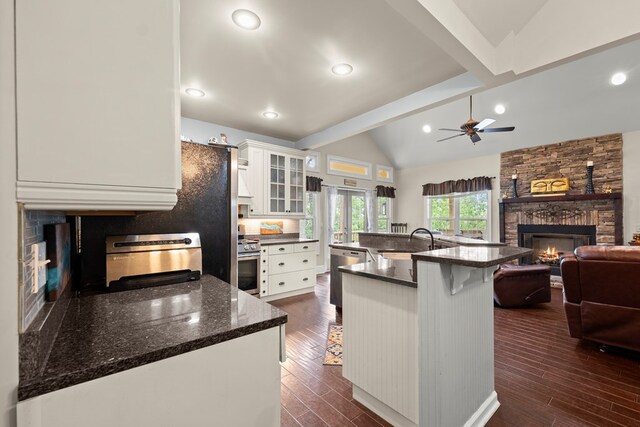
(285, 65)
(572, 101)
(496, 19)
(414, 61)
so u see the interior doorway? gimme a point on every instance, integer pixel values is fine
(349, 217)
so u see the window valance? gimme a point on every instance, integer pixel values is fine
(382, 191)
(314, 184)
(478, 183)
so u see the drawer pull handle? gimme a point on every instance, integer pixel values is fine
(305, 279)
(281, 249)
(305, 247)
(281, 283)
(306, 260)
(281, 264)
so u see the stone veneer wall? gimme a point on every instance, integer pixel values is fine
(566, 159)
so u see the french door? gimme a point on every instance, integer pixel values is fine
(349, 216)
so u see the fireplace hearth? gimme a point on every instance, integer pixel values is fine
(551, 241)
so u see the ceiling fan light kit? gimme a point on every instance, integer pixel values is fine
(472, 127)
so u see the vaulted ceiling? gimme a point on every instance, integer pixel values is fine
(415, 61)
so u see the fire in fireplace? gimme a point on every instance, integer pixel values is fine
(551, 242)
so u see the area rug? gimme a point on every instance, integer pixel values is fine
(556, 282)
(333, 354)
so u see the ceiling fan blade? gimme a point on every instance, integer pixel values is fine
(454, 130)
(505, 129)
(483, 124)
(475, 137)
(454, 136)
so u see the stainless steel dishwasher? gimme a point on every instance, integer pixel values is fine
(340, 257)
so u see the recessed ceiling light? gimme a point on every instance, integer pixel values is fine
(246, 19)
(426, 129)
(270, 114)
(342, 69)
(499, 109)
(194, 92)
(618, 79)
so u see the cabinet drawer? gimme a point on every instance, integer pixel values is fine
(280, 249)
(306, 247)
(291, 262)
(287, 282)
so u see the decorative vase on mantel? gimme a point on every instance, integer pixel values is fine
(589, 189)
(514, 186)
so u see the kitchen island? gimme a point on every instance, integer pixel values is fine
(179, 354)
(418, 345)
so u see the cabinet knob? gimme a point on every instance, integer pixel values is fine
(281, 284)
(306, 260)
(305, 247)
(281, 249)
(264, 271)
(305, 279)
(281, 264)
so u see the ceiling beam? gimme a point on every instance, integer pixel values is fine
(410, 104)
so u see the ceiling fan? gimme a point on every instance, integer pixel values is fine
(471, 127)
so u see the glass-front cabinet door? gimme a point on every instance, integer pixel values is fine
(296, 186)
(277, 185)
(286, 185)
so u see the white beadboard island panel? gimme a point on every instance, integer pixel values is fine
(456, 347)
(380, 346)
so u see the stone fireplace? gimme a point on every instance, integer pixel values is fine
(575, 218)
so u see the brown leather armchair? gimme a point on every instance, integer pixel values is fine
(518, 285)
(602, 294)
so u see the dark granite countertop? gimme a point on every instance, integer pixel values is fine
(473, 256)
(387, 270)
(107, 333)
(283, 241)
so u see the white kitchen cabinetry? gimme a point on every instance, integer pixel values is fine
(198, 388)
(98, 107)
(276, 179)
(288, 269)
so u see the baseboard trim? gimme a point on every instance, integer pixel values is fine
(289, 294)
(384, 411)
(484, 413)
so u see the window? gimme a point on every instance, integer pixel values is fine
(463, 214)
(384, 213)
(308, 225)
(348, 167)
(312, 161)
(384, 173)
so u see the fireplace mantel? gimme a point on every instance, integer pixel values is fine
(615, 198)
(565, 198)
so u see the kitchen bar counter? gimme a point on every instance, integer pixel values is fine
(108, 333)
(473, 256)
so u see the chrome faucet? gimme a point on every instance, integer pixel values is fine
(422, 229)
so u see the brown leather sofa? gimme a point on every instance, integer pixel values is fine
(602, 294)
(518, 285)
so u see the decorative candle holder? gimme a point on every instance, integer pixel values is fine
(589, 189)
(514, 187)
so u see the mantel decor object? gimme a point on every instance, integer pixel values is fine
(514, 186)
(589, 189)
(550, 187)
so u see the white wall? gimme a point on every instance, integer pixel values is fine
(410, 202)
(631, 183)
(8, 222)
(200, 131)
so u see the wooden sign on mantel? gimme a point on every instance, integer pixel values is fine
(350, 182)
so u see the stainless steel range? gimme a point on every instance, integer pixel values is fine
(249, 266)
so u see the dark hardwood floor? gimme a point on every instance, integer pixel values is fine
(543, 377)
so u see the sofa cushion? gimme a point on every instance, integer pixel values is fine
(609, 253)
